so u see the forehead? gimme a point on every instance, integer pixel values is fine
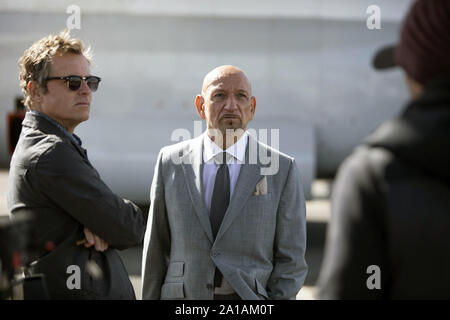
(234, 81)
(69, 64)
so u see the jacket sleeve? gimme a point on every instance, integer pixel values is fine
(355, 239)
(290, 268)
(73, 185)
(155, 257)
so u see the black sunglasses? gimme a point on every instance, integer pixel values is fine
(74, 82)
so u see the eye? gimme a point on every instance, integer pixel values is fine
(218, 95)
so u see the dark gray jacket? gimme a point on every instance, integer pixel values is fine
(391, 208)
(52, 179)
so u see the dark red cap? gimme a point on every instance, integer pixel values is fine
(424, 47)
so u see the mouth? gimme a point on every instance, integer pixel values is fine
(230, 116)
(83, 104)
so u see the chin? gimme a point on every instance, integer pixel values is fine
(231, 124)
(83, 118)
(86, 113)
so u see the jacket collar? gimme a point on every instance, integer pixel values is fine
(41, 122)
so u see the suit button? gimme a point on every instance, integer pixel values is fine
(214, 254)
(210, 286)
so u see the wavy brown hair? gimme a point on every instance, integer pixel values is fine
(35, 63)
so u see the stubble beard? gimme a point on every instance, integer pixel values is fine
(231, 131)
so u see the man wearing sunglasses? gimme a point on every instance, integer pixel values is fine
(77, 222)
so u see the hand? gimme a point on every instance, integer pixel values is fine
(93, 240)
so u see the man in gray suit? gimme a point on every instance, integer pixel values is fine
(222, 226)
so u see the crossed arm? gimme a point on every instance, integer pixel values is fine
(74, 185)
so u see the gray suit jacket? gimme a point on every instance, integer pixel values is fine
(260, 246)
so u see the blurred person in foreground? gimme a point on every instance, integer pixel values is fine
(78, 221)
(222, 224)
(391, 200)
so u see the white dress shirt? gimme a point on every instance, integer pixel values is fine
(210, 150)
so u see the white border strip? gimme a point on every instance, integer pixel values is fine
(318, 9)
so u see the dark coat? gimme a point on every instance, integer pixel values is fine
(391, 208)
(52, 180)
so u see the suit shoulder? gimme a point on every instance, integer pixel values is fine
(272, 151)
(178, 149)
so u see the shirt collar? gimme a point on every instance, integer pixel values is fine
(237, 150)
(73, 137)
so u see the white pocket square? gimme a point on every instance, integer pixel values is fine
(261, 187)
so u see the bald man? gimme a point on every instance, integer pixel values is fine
(220, 227)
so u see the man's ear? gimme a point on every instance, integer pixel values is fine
(253, 107)
(199, 103)
(35, 92)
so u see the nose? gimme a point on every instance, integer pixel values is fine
(231, 104)
(84, 88)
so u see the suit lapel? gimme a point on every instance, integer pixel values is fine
(249, 175)
(192, 164)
